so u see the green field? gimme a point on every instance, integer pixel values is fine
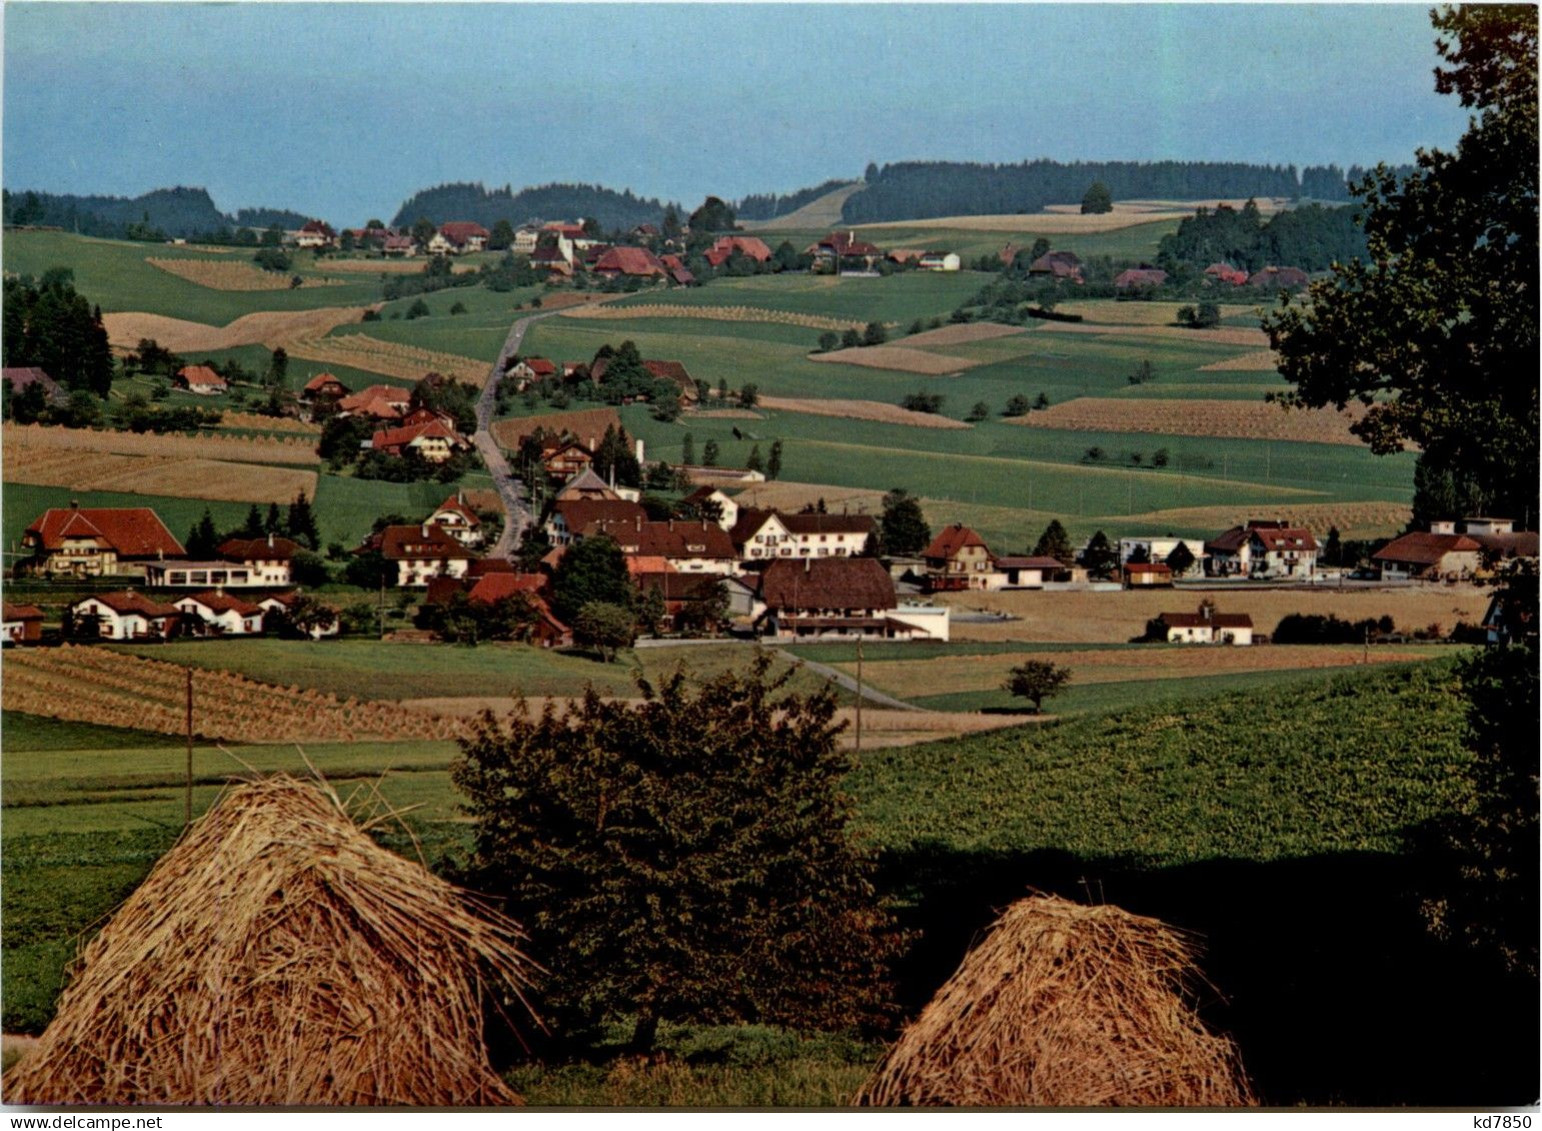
(1134, 242)
(114, 275)
(1248, 816)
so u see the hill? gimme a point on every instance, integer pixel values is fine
(823, 211)
(914, 190)
(614, 210)
(182, 212)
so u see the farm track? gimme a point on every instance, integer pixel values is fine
(92, 685)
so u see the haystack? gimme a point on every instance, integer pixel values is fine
(278, 955)
(1064, 1005)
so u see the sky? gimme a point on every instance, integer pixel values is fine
(342, 111)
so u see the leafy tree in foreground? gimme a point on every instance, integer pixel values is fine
(1036, 680)
(683, 858)
(1437, 333)
(903, 526)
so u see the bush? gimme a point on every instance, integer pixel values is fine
(923, 402)
(683, 859)
(418, 309)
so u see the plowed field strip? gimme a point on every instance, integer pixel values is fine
(859, 410)
(899, 359)
(392, 359)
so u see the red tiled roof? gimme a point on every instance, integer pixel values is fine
(1422, 548)
(1279, 538)
(202, 375)
(128, 601)
(429, 540)
(21, 612)
(540, 366)
(580, 513)
(828, 523)
(458, 232)
(952, 540)
(671, 261)
(1140, 277)
(396, 438)
(223, 602)
(1139, 568)
(1229, 541)
(134, 532)
(382, 401)
(259, 549)
(1226, 273)
(827, 583)
(320, 381)
(630, 261)
(455, 506)
(1030, 563)
(674, 541)
(496, 586)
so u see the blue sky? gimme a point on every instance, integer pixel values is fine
(344, 110)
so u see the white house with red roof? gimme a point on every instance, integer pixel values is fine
(727, 246)
(958, 558)
(1264, 548)
(688, 546)
(421, 553)
(323, 386)
(283, 602)
(457, 237)
(828, 535)
(270, 559)
(459, 520)
(200, 379)
(123, 615)
(431, 440)
(383, 402)
(1433, 555)
(633, 262)
(315, 233)
(217, 613)
(97, 541)
(1207, 627)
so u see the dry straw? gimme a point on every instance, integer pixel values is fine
(1064, 1005)
(278, 956)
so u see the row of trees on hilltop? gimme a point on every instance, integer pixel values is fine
(611, 210)
(919, 189)
(187, 213)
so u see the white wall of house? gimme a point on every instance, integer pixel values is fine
(228, 622)
(205, 575)
(933, 619)
(112, 625)
(415, 573)
(1158, 549)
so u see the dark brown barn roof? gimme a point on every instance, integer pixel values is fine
(827, 583)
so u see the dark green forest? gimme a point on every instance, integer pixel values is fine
(614, 211)
(1311, 237)
(915, 190)
(185, 213)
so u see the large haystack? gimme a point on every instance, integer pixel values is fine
(1064, 1005)
(277, 955)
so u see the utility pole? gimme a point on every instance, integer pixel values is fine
(381, 607)
(187, 804)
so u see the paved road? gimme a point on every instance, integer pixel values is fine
(509, 487)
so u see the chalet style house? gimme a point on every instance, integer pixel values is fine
(810, 598)
(97, 542)
(1207, 627)
(459, 520)
(200, 379)
(1262, 549)
(958, 558)
(422, 553)
(124, 615)
(217, 613)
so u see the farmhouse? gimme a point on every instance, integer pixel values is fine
(124, 615)
(399, 246)
(1030, 572)
(687, 547)
(528, 370)
(422, 553)
(827, 597)
(431, 440)
(828, 535)
(488, 589)
(759, 534)
(1500, 540)
(1428, 556)
(1279, 278)
(216, 613)
(383, 402)
(706, 498)
(459, 520)
(1226, 274)
(587, 485)
(456, 237)
(726, 246)
(839, 247)
(1059, 265)
(97, 541)
(270, 559)
(632, 262)
(1262, 549)
(686, 595)
(571, 517)
(23, 624)
(564, 459)
(958, 558)
(1139, 278)
(200, 379)
(316, 233)
(23, 378)
(1207, 627)
(323, 386)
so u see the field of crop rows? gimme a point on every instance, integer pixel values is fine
(93, 685)
(235, 276)
(392, 359)
(20, 439)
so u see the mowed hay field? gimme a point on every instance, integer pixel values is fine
(901, 359)
(155, 475)
(299, 451)
(1116, 617)
(94, 685)
(236, 275)
(1200, 417)
(859, 410)
(266, 328)
(391, 359)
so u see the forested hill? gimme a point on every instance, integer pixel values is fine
(768, 206)
(183, 212)
(917, 190)
(615, 211)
